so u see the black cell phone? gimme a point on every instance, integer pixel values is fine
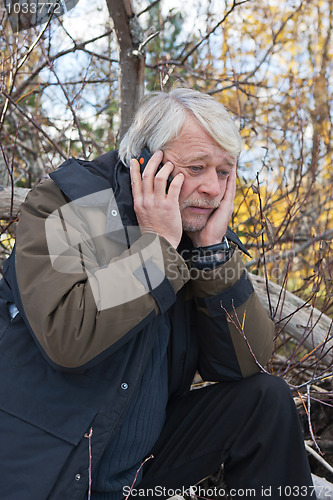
(143, 159)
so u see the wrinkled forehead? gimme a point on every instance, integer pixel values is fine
(194, 143)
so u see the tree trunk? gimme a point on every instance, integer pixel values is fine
(131, 59)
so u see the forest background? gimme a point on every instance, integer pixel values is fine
(69, 88)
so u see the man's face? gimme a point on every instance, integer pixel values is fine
(206, 167)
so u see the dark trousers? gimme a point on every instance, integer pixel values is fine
(250, 426)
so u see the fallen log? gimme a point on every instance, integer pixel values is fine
(323, 488)
(302, 321)
(7, 211)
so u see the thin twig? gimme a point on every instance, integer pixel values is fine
(35, 124)
(240, 328)
(318, 457)
(263, 248)
(197, 45)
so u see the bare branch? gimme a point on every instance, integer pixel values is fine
(35, 124)
(77, 47)
(197, 45)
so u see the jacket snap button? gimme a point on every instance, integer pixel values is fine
(77, 477)
(114, 213)
(124, 386)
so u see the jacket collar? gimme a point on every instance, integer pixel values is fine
(104, 182)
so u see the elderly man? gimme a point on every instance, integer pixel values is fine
(124, 282)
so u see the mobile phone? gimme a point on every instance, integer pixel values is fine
(143, 159)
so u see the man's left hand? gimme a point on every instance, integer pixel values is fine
(217, 223)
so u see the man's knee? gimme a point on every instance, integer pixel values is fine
(270, 383)
(272, 392)
(263, 393)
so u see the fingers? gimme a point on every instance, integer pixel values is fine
(230, 192)
(156, 209)
(136, 181)
(218, 222)
(154, 181)
(231, 184)
(149, 172)
(175, 187)
(146, 180)
(160, 180)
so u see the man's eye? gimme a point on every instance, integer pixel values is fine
(195, 169)
(224, 173)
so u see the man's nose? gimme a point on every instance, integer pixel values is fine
(210, 185)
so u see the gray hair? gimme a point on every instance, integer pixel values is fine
(161, 115)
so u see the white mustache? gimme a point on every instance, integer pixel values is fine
(200, 203)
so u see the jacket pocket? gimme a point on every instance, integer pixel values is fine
(37, 437)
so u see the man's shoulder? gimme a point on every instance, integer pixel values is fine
(78, 178)
(72, 180)
(45, 197)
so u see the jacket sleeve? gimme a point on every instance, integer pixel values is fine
(83, 294)
(235, 334)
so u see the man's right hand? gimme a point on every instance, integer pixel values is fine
(157, 211)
